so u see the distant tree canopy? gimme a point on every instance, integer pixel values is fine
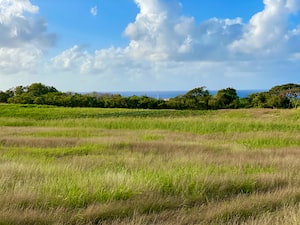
(227, 98)
(29, 94)
(197, 98)
(281, 96)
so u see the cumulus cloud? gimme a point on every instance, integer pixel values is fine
(69, 58)
(10, 9)
(23, 37)
(160, 32)
(12, 60)
(94, 11)
(267, 33)
(163, 41)
(18, 28)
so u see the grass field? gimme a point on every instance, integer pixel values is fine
(120, 166)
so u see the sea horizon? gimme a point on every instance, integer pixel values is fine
(173, 94)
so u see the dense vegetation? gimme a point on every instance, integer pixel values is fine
(283, 96)
(78, 166)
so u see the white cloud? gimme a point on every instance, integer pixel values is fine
(10, 9)
(94, 11)
(14, 60)
(23, 38)
(267, 34)
(70, 58)
(17, 29)
(173, 49)
(160, 32)
(77, 59)
(166, 49)
(293, 5)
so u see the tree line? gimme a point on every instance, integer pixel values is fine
(282, 96)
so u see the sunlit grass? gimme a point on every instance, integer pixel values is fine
(104, 166)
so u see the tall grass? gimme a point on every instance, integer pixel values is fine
(104, 166)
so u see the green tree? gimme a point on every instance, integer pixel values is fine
(28, 95)
(38, 89)
(176, 103)
(133, 102)
(259, 100)
(278, 101)
(227, 98)
(197, 98)
(285, 96)
(4, 96)
(19, 90)
(285, 89)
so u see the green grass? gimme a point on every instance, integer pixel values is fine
(120, 166)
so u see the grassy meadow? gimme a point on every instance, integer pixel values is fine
(120, 166)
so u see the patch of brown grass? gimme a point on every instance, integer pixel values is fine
(38, 142)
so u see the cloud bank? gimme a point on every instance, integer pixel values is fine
(268, 32)
(161, 39)
(164, 46)
(23, 38)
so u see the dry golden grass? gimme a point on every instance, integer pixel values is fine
(223, 167)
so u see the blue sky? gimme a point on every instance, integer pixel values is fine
(139, 45)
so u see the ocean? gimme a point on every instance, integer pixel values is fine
(173, 94)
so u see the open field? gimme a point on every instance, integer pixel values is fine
(120, 166)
